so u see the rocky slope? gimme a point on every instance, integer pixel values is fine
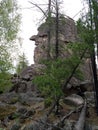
(26, 111)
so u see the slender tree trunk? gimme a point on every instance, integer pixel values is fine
(56, 31)
(93, 60)
(49, 29)
(95, 79)
(95, 3)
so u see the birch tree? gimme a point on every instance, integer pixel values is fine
(9, 27)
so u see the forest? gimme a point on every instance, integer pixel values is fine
(60, 90)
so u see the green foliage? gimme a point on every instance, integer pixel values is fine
(9, 20)
(9, 27)
(95, 18)
(56, 72)
(50, 82)
(5, 81)
(85, 33)
(5, 60)
(22, 63)
(78, 49)
(5, 67)
(48, 102)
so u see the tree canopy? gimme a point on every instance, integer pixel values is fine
(9, 27)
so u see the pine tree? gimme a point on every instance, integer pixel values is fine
(22, 63)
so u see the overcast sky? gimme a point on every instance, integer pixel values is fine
(31, 16)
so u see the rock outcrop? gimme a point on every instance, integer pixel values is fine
(23, 107)
(22, 83)
(67, 33)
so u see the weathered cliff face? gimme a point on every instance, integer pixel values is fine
(67, 33)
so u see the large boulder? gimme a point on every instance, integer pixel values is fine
(23, 82)
(74, 100)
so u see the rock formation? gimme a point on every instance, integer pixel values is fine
(25, 110)
(67, 33)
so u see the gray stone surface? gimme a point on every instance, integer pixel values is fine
(90, 96)
(74, 100)
(67, 33)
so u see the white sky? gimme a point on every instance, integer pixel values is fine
(30, 18)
